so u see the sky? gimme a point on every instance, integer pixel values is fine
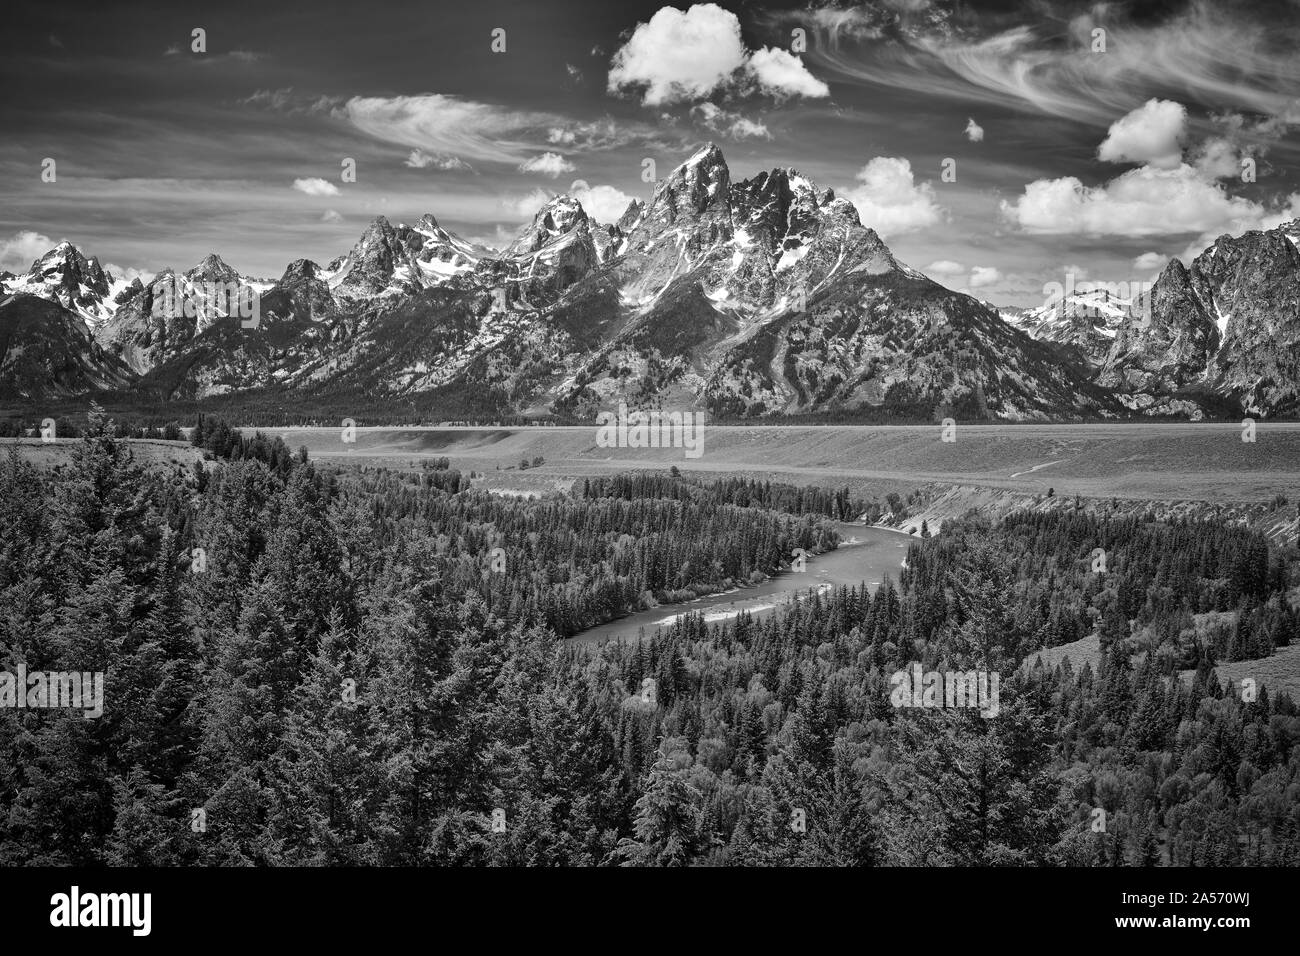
(995, 146)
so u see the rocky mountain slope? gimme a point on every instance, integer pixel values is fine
(1086, 321)
(1225, 330)
(766, 296)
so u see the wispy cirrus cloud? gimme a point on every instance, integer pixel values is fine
(471, 130)
(1212, 52)
(419, 159)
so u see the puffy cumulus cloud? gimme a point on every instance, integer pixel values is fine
(563, 136)
(974, 131)
(783, 74)
(1265, 220)
(1217, 158)
(419, 159)
(1150, 262)
(680, 56)
(526, 206)
(315, 186)
(19, 251)
(984, 275)
(128, 273)
(1166, 196)
(331, 215)
(547, 164)
(888, 199)
(602, 203)
(499, 238)
(734, 125)
(1142, 202)
(1152, 134)
(945, 267)
(744, 128)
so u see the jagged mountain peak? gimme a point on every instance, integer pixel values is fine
(64, 275)
(212, 268)
(631, 216)
(762, 295)
(559, 217)
(1227, 326)
(708, 156)
(704, 176)
(299, 270)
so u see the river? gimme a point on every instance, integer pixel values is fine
(865, 554)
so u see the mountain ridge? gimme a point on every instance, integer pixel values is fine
(764, 297)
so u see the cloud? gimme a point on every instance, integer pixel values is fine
(451, 126)
(315, 186)
(548, 164)
(683, 56)
(286, 100)
(998, 58)
(172, 50)
(1264, 220)
(1217, 158)
(888, 200)
(945, 267)
(1150, 262)
(128, 273)
(331, 215)
(526, 206)
(782, 74)
(974, 131)
(1167, 196)
(499, 238)
(419, 159)
(575, 74)
(1142, 202)
(984, 275)
(1153, 134)
(679, 55)
(603, 203)
(734, 125)
(19, 251)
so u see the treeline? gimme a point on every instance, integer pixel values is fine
(741, 492)
(1181, 588)
(229, 443)
(68, 428)
(574, 562)
(349, 681)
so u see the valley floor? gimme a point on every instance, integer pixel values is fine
(1197, 462)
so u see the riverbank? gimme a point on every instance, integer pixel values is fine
(866, 554)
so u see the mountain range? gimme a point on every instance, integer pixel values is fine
(760, 298)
